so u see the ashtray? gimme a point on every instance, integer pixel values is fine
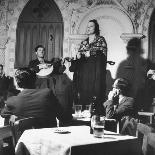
(61, 131)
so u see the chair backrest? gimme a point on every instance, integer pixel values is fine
(7, 141)
(112, 125)
(23, 124)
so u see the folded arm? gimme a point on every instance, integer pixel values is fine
(119, 111)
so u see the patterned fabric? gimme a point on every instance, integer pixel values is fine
(97, 46)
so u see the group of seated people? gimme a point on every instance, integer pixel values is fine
(44, 105)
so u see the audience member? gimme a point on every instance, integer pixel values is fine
(31, 102)
(119, 106)
(148, 145)
(6, 86)
(61, 85)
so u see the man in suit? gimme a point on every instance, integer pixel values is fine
(119, 106)
(39, 62)
(31, 102)
(6, 86)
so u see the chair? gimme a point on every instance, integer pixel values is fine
(7, 141)
(21, 125)
(112, 125)
(146, 114)
(148, 141)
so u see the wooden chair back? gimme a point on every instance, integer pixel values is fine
(7, 141)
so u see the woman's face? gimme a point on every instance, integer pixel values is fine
(90, 28)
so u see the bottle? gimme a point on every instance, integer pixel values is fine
(93, 111)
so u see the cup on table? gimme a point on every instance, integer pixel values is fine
(86, 112)
(98, 124)
(78, 110)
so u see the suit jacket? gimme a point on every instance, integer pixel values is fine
(124, 108)
(38, 103)
(34, 65)
(124, 113)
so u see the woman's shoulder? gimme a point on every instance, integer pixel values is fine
(100, 38)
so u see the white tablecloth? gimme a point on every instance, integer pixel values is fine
(47, 142)
(1, 121)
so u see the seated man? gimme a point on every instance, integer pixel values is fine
(39, 62)
(119, 106)
(41, 66)
(31, 102)
(6, 86)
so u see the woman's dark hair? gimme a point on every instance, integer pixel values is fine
(39, 46)
(25, 78)
(97, 30)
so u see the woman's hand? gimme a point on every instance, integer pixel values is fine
(78, 55)
(87, 54)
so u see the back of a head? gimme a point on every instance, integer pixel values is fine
(25, 78)
(134, 43)
(123, 85)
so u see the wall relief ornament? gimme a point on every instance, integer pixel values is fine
(77, 8)
(136, 9)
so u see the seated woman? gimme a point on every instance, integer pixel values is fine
(121, 107)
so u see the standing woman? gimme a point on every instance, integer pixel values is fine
(90, 67)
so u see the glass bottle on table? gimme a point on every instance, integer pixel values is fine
(78, 106)
(93, 111)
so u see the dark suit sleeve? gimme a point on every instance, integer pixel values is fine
(59, 110)
(123, 109)
(34, 66)
(74, 66)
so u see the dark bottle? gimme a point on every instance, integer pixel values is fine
(93, 111)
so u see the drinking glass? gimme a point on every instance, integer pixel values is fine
(98, 123)
(78, 110)
(87, 111)
(88, 107)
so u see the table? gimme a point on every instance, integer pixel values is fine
(77, 142)
(110, 124)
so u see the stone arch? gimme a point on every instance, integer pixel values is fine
(13, 17)
(108, 16)
(145, 28)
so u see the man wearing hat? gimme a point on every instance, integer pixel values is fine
(119, 106)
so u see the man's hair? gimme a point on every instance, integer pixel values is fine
(123, 85)
(1, 66)
(97, 30)
(25, 78)
(134, 43)
(39, 46)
